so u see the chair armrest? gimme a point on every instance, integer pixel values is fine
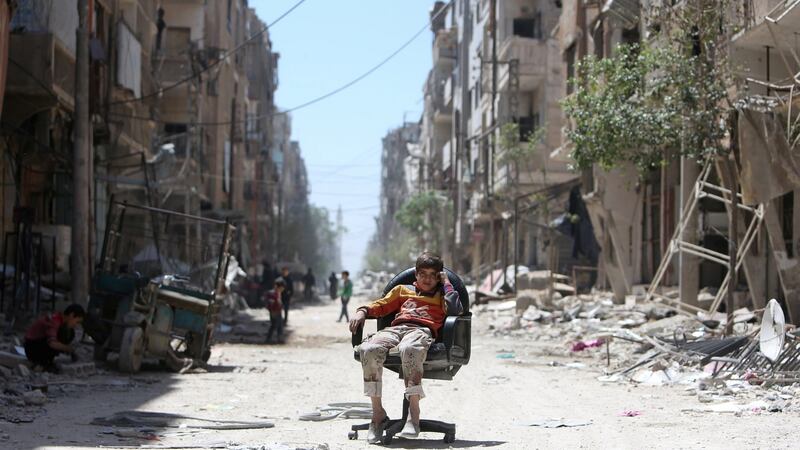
(358, 336)
(456, 335)
(449, 329)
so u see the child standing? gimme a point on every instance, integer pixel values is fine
(347, 292)
(273, 302)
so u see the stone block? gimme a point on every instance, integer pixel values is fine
(23, 371)
(13, 360)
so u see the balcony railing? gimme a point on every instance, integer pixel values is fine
(40, 66)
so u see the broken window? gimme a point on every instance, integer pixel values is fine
(528, 126)
(178, 40)
(599, 41)
(631, 36)
(569, 56)
(176, 134)
(529, 27)
(229, 15)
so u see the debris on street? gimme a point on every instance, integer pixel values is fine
(651, 344)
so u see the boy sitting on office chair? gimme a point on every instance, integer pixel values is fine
(420, 311)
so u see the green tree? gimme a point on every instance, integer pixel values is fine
(666, 96)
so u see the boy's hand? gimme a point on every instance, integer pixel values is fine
(443, 278)
(358, 321)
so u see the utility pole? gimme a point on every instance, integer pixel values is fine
(490, 160)
(81, 155)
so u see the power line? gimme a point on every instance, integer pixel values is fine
(213, 64)
(323, 96)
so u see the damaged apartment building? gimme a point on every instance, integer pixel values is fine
(182, 113)
(663, 233)
(495, 63)
(668, 230)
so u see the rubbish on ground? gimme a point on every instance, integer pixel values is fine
(771, 337)
(730, 407)
(556, 423)
(630, 413)
(133, 419)
(497, 379)
(505, 356)
(343, 410)
(583, 345)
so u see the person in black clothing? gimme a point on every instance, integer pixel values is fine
(286, 296)
(308, 284)
(333, 287)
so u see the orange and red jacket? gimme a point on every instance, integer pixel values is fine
(415, 307)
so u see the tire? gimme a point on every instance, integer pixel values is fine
(353, 435)
(131, 350)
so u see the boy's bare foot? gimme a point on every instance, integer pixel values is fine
(376, 427)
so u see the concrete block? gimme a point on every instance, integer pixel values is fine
(34, 398)
(78, 369)
(23, 371)
(13, 360)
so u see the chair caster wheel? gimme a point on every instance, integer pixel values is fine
(449, 438)
(386, 439)
(353, 435)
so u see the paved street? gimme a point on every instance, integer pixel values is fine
(489, 400)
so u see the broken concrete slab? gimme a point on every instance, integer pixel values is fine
(36, 398)
(12, 360)
(23, 371)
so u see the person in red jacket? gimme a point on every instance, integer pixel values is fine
(52, 334)
(420, 310)
(272, 299)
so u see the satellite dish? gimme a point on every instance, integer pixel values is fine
(770, 339)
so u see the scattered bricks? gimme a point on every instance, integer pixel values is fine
(5, 372)
(79, 369)
(36, 398)
(11, 360)
(23, 371)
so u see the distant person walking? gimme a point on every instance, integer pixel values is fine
(286, 297)
(347, 292)
(308, 284)
(333, 286)
(272, 300)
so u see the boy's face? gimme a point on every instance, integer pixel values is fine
(279, 287)
(285, 272)
(427, 279)
(72, 321)
(345, 276)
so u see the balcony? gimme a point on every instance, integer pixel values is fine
(41, 69)
(435, 91)
(444, 48)
(531, 54)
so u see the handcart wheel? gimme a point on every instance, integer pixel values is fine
(131, 350)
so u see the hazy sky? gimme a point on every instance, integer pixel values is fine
(324, 44)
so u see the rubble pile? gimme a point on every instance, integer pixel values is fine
(650, 344)
(25, 392)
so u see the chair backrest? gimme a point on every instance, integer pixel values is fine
(408, 277)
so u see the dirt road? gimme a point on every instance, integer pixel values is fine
(490, 400)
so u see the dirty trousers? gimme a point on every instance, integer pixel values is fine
(412, 342)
